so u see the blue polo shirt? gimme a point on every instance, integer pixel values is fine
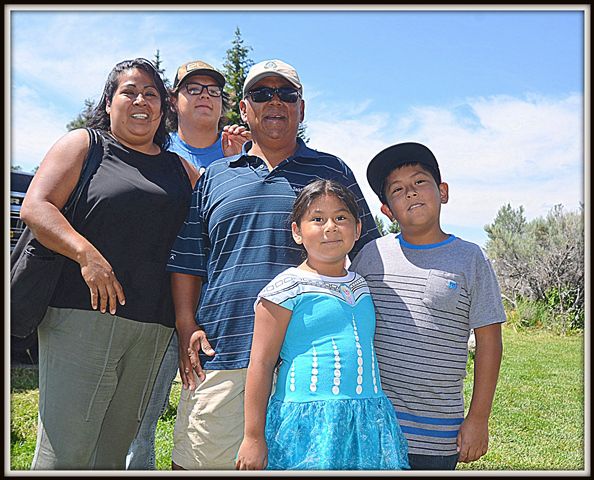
(238, 236)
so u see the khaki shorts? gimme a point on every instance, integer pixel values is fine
(209, 424)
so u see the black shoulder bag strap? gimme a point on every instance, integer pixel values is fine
(94, 157)
(92, 161)
(34, 268)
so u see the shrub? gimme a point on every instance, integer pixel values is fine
(540, 267)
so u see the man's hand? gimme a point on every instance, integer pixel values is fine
(234, 136)
(473, 439)
(191, 341)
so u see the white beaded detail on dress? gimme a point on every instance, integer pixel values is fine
(337, 367)
(359, 388)
(373, 365)
(292, 376)
(314, 371)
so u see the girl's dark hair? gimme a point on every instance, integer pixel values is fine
(100, 118)
(317, 189)
(172, 114)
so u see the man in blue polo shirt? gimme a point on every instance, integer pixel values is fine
(237, 237)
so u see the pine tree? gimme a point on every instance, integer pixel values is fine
(392, 227)
(379, 223)
(157, 63)
(301, 132)
(83, 117)
(236, 67)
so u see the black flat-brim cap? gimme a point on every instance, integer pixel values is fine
(395, 156)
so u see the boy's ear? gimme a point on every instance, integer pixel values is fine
(387, 212)
(296, 234)
(444, 194)
(358, 230)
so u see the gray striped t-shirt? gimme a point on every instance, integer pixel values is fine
(427, 298)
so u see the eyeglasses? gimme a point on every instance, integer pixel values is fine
(198, 88)
(265, 94)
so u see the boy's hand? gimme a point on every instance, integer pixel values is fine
(234, 136)
(473, 439)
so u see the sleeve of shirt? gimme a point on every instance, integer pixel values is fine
(283, 290)
(486, 307)
(191, 248)
(355, 264)
(369, 229)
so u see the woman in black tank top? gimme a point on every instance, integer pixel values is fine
(111, 315)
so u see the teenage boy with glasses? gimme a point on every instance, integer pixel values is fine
(237, 236)
(199, 105)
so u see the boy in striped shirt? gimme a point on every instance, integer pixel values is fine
(430, 289)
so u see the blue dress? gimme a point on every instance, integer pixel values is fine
(328, 411)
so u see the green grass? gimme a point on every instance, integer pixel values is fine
(24, 396)
(537, 421)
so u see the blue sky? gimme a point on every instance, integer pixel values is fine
(497, 95)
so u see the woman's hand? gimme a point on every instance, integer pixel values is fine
(105, 289)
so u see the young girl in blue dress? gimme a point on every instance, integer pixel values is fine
(328, 411)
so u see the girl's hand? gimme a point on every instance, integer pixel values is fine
(252, 455)
(233, 137)
(105, 289)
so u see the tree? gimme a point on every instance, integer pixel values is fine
(16, 168)
(236, 67)
(301, 132)
(507, 250)
(393, 227)
(379, 223)
(157, 63)
(83, 117)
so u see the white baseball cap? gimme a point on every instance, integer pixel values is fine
(269, 68)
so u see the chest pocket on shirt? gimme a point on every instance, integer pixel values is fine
(443, 290)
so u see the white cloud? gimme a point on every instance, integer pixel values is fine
(492, 151)
(71, 54)
(355, 138)
(35, 127)
(57, 61)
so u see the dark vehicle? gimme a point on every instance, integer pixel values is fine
(19, 182)
(22, 350)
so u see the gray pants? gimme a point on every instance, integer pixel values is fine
(96, 373)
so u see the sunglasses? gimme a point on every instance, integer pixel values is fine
(265, 94)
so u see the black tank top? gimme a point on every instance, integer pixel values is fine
(131, 211)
